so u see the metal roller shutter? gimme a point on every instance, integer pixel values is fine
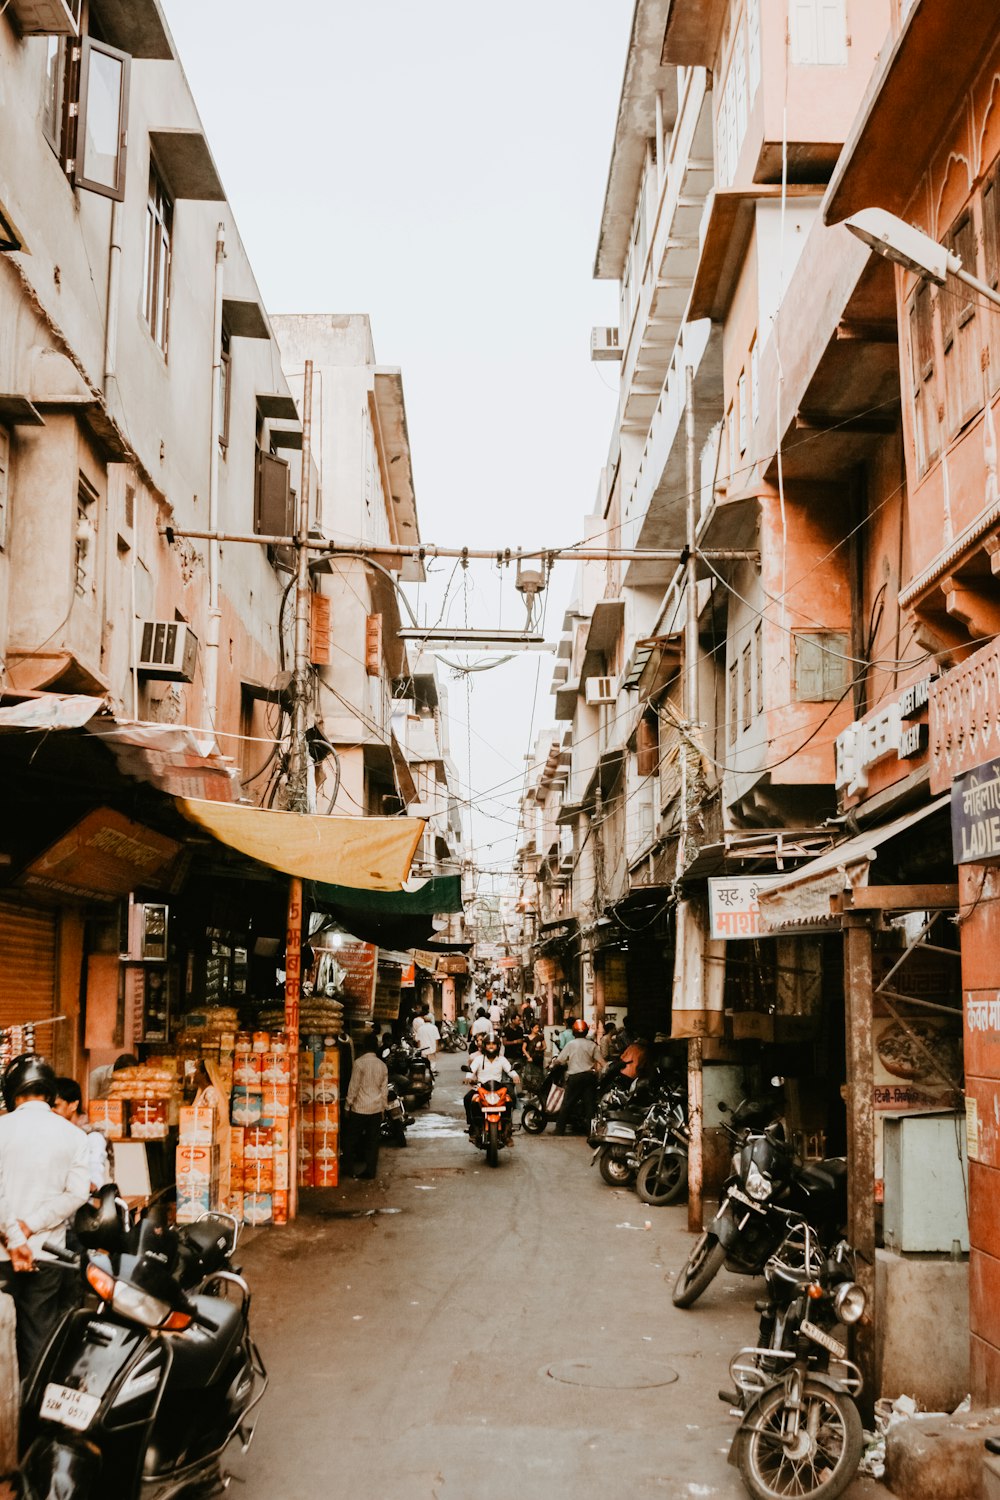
(27, 964)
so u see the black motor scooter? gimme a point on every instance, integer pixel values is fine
(141, 1398)
(752, 1217)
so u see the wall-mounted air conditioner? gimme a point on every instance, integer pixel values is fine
(169, 650)
(605, 344)
(600, 690)
(47, 17)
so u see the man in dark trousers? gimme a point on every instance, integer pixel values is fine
(583, 1063)
(44, 1179)
(367, 1099)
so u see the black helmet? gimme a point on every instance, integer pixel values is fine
(28, 1074)
(492, 1047)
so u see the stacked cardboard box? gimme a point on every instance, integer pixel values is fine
(319, 1118)
(198, 1185)
(261, 1101)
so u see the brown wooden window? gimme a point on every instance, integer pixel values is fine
(758, 637)
(747, 684)
(991, 256)
(822, 668)
(4, 484)
(962, 373)
(225, 391)
(926, 428)
(734, 702)
(156, 285)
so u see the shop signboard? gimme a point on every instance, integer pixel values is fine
(975, 815)
(103, 856)
(734, 907)
(358, 961)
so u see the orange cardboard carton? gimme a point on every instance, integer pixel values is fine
(197, 1124)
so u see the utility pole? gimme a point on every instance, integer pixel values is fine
(691, 651)
(297, 788)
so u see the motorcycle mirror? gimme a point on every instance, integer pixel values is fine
(777, 1081)
(723, 1107)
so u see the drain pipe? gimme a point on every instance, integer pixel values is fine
(114, 289)
(214, 611)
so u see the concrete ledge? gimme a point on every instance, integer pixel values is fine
(923, 1306)
(9, 1387)
(940, 1458)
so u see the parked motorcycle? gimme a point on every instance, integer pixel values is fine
(492, 1128)
(546, 1104)
(451, 1038)
(662, 1151)
(614, 1132)
(767, 1182)
(410, 1074)
(141, 1398)
(800, 1431)
(394, 1120)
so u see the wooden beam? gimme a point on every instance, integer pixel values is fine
(897, 898)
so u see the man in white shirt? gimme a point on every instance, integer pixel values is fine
(481, 1024)
(426, 1037)
(69, 1104)
(367, 1099)
(488, 1066)
(44, 1178)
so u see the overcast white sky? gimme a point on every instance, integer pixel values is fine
(440, 165)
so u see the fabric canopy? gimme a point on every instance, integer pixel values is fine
(397, 919)
(369, 854)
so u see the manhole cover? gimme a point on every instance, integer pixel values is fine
(611, 1375)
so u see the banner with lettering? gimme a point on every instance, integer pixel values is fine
(733, 907)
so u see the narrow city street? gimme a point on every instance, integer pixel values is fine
(449, 1330)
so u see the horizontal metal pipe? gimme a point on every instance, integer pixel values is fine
(502, 554)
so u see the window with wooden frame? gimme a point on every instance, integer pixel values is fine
(86, 536)
(747, 684)
(923, 386)
(758, 641)
(754, 381)
(991, 257)
(647, 744)
(734, 702)
(822, 665)
(159, 235)
(963, 380)
(225, 391)
(102, 119)
(744, 414)
(731, 441)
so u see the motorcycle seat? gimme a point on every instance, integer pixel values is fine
(824, 1174)
(200, 1353)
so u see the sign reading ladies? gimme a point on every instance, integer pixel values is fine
(975, 815)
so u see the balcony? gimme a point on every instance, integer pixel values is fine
(672, 258)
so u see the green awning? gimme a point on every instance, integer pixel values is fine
(392, 919)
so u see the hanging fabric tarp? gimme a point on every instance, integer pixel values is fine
(699, 975)
(394, 919)
(371, 854)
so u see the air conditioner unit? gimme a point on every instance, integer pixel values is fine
(47, 17)
(600, 690)
(605, 344)
(169, 650)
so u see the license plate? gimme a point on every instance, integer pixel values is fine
(742, 1198)
(72, 1408)
(824, 1340)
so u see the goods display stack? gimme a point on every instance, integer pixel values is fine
(258, 1137)
(142, 1102)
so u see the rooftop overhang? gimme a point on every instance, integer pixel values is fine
(397, 479)
(136, 26)
(566, 697)
(691, 35)
(728, 230)
(18, 411)
(275, 405)
(910, 104)
(605, 625)
(185, 163)
(244, 318)
(645, 77)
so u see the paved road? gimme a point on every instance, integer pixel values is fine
(425, 1350)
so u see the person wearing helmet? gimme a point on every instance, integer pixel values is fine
(44, 1178)
(489, 1066)
(583, 1063)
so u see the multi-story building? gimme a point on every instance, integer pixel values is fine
(758, 351)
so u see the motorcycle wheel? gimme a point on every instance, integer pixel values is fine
(770, 1473)
(615, 1170)
(533, 1119)
(493, 1144)
(702, 1266)
(662, 1178)
(399, 1134)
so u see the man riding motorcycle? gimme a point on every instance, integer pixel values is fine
(490, 1066)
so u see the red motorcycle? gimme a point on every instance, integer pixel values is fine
(493, 1128)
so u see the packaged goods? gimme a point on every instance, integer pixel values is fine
(258, 1176)
(192, 1203)
(111, 1115)
(197, 1124)
(326, 1116)
(326, 1091)
(328, 1066)
(281, 1172)
(279, 1041)
(325, 1145)
(276, 1100)
(194, 1162)
(234, 1202)
(236, 1136)
(325, 1174)
(243, 1042)
(275, 1067)
(142, 1083)
(148, 1120)
(246, 1069)
(261, 1041)
(257, 1208)
(246, 1106)
(306, 1094)
(280, 1207)
(258, 1144)
(306, 1173)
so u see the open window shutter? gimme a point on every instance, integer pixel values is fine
(320, 631)
(102, 126)
(805, 49)
(808, 669)
(646, 748)
(273, 511)
(831, 28)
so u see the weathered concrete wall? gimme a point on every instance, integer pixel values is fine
(923, 1306)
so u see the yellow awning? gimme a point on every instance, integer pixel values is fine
(370, 854)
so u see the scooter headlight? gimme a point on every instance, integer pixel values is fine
(758, 1186)
(141, 1307)
(849, 1302)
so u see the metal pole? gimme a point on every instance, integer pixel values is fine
(429, 551)
(297, 793)
(861, 1131)
(691, 652)
(293, 994)
(214, 608)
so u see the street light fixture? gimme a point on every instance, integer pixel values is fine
(900, 242)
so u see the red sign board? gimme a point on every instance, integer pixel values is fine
(359, 963)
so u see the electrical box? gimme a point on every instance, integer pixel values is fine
(926, 1174)
(168, 651)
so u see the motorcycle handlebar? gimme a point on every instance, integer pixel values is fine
(59, 1252)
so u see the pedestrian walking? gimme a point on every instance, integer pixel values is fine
(426, 1036)
(583, 1063)
(44, 1178)
(367, 1099)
